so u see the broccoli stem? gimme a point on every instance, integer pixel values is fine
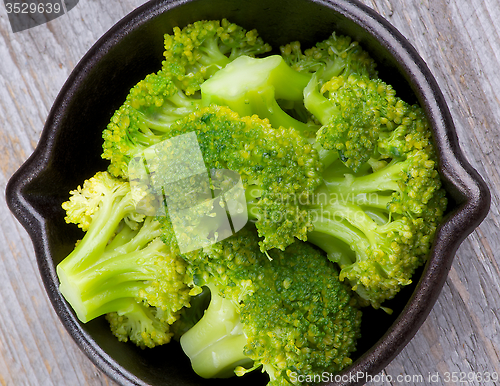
(383, 180)
(336, 250)
(100, 287)
(215, 345)
(101, 230)
(317, 104)
(121, 238)
(264, 104)
(213, 55)
(160, 118)
(327, 157)
(327, 231)
(252, 86)
(130, 240)
(96, 275)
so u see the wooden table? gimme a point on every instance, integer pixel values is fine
(459, 40)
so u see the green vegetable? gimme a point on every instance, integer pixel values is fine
(276, 165)
(194, 53)
(337, 55)
(121, 261)
(353, 111)
(289, 315)
(382, 199)
(339, 179)
(144, 120)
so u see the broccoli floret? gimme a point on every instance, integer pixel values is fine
(385, 215)
(381, 199)
(192, 55)
(138, 322)
(195, 52)
(335, 56)
(85, 201)
(143, 120)
(289, 316)
(115, 264)
(276, 165)
(353, 111)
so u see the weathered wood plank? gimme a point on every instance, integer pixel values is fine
(460, 43)
(34, 347)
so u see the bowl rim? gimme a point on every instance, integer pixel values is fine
(461, 177)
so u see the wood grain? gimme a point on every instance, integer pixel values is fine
(460, 42)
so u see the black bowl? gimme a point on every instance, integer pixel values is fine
(70, 147)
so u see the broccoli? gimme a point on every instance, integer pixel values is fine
(353, 111)
(139, 323)
(143, 120)
(340, 182)
(194, 53)
(386, 211)
(337, 55)
(289, 316)
(275, 165)
(362, 126)
(121, 260)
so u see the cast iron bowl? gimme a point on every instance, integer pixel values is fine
(70, 147)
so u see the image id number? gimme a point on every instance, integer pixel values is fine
(31, 8)
(466, 377)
